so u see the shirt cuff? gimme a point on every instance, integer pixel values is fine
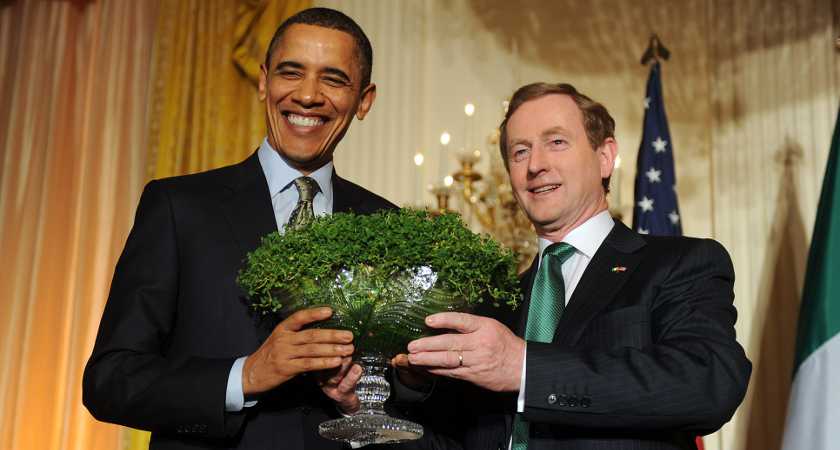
(520, 401)
(234, 397)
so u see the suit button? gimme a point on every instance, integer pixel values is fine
(585, 402)
(564, 400)
(552, 399)
(573, 401)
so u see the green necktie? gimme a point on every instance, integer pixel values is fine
(548, 300)
(303, 213)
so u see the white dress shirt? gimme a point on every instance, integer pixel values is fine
(284, 197)
(586, 239)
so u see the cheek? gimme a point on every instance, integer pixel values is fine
(277, 90)
(518, 179)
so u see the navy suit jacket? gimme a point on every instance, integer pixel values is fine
(175, 319)
(644, 356)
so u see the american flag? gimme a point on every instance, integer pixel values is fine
(656, 210)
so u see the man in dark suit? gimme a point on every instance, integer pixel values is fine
(179, 352)
(623, 341)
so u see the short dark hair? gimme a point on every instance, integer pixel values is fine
(597, 121)
(336, 20)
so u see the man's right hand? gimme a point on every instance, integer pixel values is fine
(289, 351)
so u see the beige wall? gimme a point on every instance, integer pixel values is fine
(751, 93)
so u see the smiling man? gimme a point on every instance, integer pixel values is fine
(314, 80)
(178, 350)
(624, 341)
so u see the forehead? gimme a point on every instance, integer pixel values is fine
(316, 45)
(549, 111)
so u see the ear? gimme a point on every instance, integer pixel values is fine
(263, 85)
(366, 102)
(607, 153)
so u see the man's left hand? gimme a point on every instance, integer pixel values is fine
(340, 385)
(484, 352)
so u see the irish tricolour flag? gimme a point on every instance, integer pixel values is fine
(813, 418)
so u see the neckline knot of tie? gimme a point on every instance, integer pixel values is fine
(559, 250)
(307, 188)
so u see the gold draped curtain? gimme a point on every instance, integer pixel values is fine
(205, 111)
(98, 97)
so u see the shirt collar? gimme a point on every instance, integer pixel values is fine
(279, 174)
(588, 236)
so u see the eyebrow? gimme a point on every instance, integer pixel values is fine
(555, 130)
(328, 70)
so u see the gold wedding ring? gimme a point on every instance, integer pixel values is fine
(460, 359)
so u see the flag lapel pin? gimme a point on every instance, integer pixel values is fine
(617, 269)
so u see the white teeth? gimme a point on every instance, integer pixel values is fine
(302, 121)
(545, 189)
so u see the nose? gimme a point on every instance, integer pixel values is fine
(308, 92)
(536, 161)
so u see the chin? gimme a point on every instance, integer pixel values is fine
(302, 155)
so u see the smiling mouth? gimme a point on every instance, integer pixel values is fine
(303, 121)
(544, 189)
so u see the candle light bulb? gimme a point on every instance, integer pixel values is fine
(444, 138)
(469, 109)
(418, 159)
(448, 180)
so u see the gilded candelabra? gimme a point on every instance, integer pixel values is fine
(486, 200)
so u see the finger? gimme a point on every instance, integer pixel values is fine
(346, 364)
(461, 322)
(312, 364)
(446, 359)
(321, 336)
(331, 378)
(437, 343)
(321, 350)
(401, 361)
(304, 317)
(348, 384)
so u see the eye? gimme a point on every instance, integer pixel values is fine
(335, 82)
(518, 153)
(558, 142)
(290, 74)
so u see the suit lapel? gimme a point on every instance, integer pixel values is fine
(247, 204)
(345, 199)
(600, 283)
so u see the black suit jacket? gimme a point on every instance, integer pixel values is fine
(644, 356)
(176, 320)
